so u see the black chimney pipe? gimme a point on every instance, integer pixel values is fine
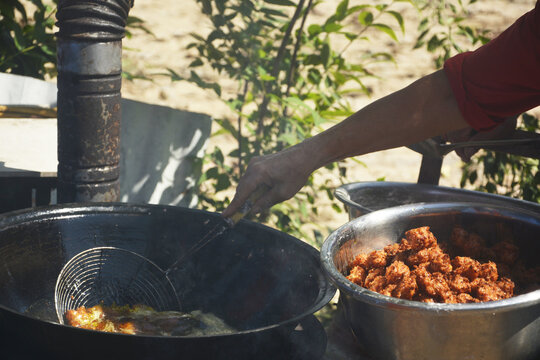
(89, 82)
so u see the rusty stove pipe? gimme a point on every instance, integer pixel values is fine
(89, 81)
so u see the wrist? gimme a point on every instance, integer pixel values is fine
(314, 153)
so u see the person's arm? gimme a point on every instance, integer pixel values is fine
(495, 82)
(422, 110)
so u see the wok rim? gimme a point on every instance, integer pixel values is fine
(333, 244)
(69, 210)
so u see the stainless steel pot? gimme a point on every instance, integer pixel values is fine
(361, 198)
(390, 328)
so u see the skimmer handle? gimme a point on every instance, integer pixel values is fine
(246, 208)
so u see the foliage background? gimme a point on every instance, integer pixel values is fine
(27, 45)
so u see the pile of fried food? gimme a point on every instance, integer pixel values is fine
(418, 269)
(144, 320)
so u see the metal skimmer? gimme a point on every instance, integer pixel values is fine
(112, 275)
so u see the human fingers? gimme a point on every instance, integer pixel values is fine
(252, 179)
(280, 191)
(460, 135)
(502, 131)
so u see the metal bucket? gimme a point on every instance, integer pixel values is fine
(364, 197)
(397, 329)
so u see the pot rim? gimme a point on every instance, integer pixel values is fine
(335, 240)
(343, 193)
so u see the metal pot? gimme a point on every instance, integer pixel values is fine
(391, 328)
(260, 281)
(361, 198)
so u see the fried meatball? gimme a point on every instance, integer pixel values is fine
(485, 290)
(420, 238)
(377, 259)
(459, 284)
(357, 275)
(466, 266)
(406, 287)
(506, 252)
(395, 272)
(488, 271)
(374, 275)
(361, 260)
(465, 298)
(418, 269)
(470, 244)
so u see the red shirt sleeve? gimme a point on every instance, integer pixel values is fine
(501, 78)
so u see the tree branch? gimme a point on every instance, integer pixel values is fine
(263, 108)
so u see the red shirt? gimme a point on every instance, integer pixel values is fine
(501, 78)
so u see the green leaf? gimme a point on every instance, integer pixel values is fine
(221, 6)
(325, 54)
(196, 62)
(386, 29)
(314, 30)
(423, 25)
(288, 138)
(332, 27)
(206, 7)
(223, 182)
(197, 36)
(228, 127)
(216, 34)
(299, 104)
(48, 50)
(273, 12)
(341, 10)
(314, 76)
(263, 75)
(268, 24)
(419, 40)
(194, 77)
(382, 57)
(174, 75)
(356, 8)
(433, 43)
(312, 60)
(350, 36)
(18, 39)
(280, 2)
(336, 114)
(212, 173)
(399, 19)
(365, 18)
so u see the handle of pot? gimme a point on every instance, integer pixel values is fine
(345, 197)
(246, 208)
(490, 143)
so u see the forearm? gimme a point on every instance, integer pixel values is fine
(422, 110)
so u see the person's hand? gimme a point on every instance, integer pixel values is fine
(502, 131)
(283, 173)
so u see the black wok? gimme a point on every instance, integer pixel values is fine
(260, 281)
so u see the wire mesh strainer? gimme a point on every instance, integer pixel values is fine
(111, 275)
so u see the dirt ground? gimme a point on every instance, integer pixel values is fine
(172, 21)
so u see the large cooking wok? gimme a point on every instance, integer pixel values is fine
(259, 280)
